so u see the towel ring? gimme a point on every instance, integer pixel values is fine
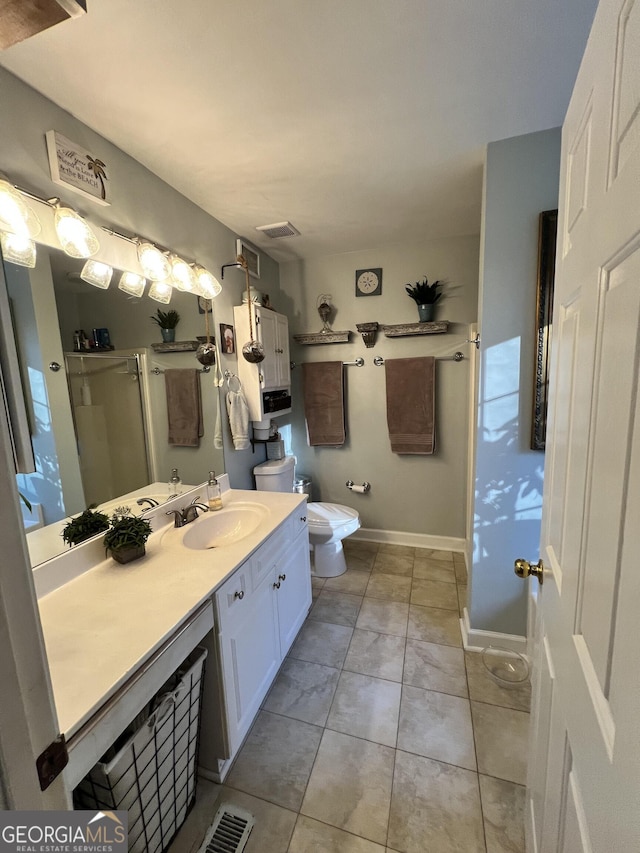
(229, 376)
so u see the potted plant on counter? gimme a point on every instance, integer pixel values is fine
(89, 523)
(167, 321)
(126, 539)
(425, 296)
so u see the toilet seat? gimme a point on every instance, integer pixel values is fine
(330, 516)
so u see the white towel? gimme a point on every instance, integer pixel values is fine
(217, 435)
(238, 412)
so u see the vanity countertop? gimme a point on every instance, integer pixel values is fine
(100, 627)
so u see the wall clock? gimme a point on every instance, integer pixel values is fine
(369, 282)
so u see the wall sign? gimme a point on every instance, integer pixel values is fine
(251, 256)
(76, 168)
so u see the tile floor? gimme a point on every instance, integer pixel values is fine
(380, 733)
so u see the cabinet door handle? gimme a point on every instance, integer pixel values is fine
(239, 594)
(280, 351)
(277, 585)
(303, 518)
(282, 577)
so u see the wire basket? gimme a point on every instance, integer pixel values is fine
(151, 769)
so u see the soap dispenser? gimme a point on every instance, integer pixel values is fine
(214, 496)
(175, 483)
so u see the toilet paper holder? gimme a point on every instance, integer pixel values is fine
(354, 488)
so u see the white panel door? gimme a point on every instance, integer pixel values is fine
(584, 767)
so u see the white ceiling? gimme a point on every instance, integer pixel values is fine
(360, 121)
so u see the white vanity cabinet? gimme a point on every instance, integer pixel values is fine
(259, 611)
(267, 385)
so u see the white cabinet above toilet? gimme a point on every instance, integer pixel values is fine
(267, 385)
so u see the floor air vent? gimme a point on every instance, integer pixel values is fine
(229, 832)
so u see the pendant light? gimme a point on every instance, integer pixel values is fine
(18, 249)
(155, 264)
(182, 276)
(75, 236)
(132, 283)
(206, 352)
(16, 216)
(208, 284)
(97, 274)
(161, 291)
(252, 351)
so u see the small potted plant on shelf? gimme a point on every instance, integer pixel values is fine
(89, 523)
(167, 321)
(126, 539)
(425, 295)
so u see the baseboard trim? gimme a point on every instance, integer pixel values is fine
(474, 639)
(414, 540)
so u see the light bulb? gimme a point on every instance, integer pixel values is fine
(155, 264)
(182, 276)
(97, 274)
(15, 214)
(18, 249)
(208, 284)
(75, 236)
(161, 291)
(132, 283)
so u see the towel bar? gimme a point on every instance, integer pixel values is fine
(357, 363)
(158, 370)
(457, 356)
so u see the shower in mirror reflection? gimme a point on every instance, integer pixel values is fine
(106, 404)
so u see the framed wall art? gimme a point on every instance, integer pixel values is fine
(227, 339)
(251, 256)
(548, 225)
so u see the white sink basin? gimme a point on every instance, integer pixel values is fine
(224, 527)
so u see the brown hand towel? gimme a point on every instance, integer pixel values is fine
(324, 403)
(184, 407)
(411, 384)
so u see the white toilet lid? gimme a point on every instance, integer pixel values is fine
(330, 515)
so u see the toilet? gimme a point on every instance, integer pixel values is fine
(328, 523)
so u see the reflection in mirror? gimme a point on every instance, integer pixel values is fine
(98, 425)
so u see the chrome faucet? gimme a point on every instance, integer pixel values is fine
(188, 513)
(150, 501)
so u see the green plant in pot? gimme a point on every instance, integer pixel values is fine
(425, 296)
(167, 321)
(89, 523)
(126, 539)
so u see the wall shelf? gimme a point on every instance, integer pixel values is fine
(403, 330)
(176, 346)
(323, 338)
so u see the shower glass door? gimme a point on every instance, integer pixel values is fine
(108, 417)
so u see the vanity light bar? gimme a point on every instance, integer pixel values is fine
(19, 225)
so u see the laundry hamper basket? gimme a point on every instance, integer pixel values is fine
(151, 770)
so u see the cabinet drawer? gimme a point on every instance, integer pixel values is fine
(297, 522)
(266, 557)
(232, 599)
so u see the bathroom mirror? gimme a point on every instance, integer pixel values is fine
(98, 418)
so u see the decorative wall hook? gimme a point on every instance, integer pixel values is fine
(368, 332)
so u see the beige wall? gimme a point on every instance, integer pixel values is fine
(415, 494)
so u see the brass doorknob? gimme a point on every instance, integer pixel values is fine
(523, 569)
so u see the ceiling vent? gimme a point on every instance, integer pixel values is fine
(278, 229)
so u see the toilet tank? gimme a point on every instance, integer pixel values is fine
(275, 475)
